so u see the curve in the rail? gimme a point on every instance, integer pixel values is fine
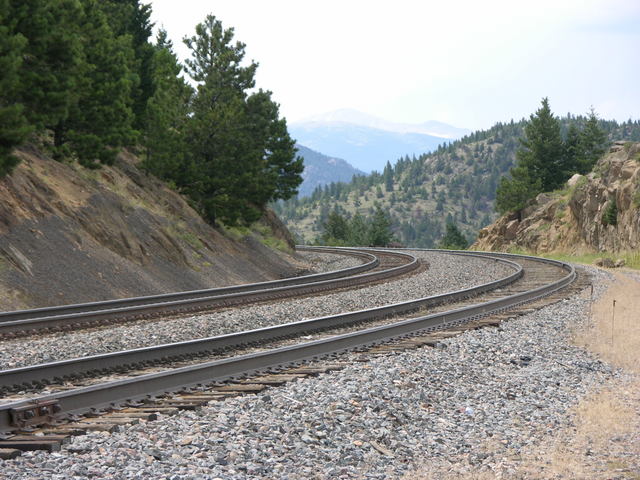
(198, 304)
(371, 262)
(37, 373)
(115, 393)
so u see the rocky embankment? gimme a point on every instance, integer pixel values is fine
(575, 219)
(69, 234)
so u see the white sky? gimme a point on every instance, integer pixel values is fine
(467, 63)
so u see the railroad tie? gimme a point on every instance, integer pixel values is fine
(316, 370)
(273, 380)
(29, 443)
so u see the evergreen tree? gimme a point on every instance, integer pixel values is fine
(387, 175)
(51, 57)
(335, 229)
(380, 229)
(168, 110)
(278, 170)
(593, 143)
(358, 234)
(100, 120)
(512, 193)
(572, 149)
(242, 154)
(14, 127)
(132, 19)
(542, 149)
(541, 162)
(453, 239)
(610, 215)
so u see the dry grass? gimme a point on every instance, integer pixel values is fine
(615, 334)
(605, 440)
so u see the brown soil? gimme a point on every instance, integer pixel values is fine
(68, 235)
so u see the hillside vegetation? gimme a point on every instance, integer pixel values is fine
(455, 184)
(596, 213)
(83, 79)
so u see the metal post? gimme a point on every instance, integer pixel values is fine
(613, 318)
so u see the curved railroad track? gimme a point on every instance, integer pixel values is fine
(379, 266)
(532, 279)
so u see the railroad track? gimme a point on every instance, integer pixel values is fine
(538, 280)
(378, 266)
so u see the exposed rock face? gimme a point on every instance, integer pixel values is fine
(69, 235)
(573, 220)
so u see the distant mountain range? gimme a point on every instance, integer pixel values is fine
(321, 169)
(368, 142)
(454, 184)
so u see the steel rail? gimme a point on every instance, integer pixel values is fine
(24, 376)
(111, 394)
(199, 304)
(371, 262)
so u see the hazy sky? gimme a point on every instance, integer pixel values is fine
(468, 63)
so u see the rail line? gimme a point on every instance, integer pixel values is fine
(551, 276)
(380, 265)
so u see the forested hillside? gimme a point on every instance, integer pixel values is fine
(456, 184)
(83, 79)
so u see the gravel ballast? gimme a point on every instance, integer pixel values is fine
(445, 273)
(508, 387)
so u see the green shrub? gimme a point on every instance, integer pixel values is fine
(610, 216)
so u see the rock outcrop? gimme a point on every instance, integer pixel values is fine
(594, 213)
(68, 234)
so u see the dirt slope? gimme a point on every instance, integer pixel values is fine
(68, 234)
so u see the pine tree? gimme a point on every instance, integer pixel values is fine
(387, 175)
(277, 169)
(610, 215)
(453, 239)
(572, 149)
(380, 229)
(541, 162)
(512, 193)
(167, 116)
(132, 19)
(542, 149)
(358, 235)
(100, 121)
(335, 229)
(593, 143)
(242, 154)
(14, 127)
(51, 56)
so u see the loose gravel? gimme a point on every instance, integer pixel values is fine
(508, 387)
(445, 273)
(326, 262)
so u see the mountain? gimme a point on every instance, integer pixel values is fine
(455, 183)
(321, 169)
(368, 142)
(597, 212)
(355, 117)
(367, 149)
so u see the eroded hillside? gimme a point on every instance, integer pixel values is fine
(69, 234)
